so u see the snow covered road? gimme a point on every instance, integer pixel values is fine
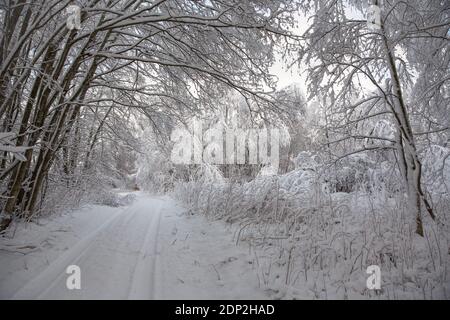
(147, 250)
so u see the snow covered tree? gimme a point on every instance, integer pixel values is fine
(153, 57)
(391, 73)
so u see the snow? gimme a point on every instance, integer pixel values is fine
(310, 243)
(7, 145)
(149, 249)
(154, 248)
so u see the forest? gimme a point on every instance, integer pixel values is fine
(314, 133)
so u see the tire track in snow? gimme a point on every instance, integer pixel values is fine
(145, 275)
(135, 254)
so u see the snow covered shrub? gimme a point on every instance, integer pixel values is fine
(205, 184)
(436, 169)
(155, 173)
(267, 198)
(311, 242)
(322, 251)
(113, 199)
(89, 187)
(360, 172)
(108, 198)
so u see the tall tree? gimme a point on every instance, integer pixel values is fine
(368, 74)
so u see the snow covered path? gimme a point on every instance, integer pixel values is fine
(148, 250)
